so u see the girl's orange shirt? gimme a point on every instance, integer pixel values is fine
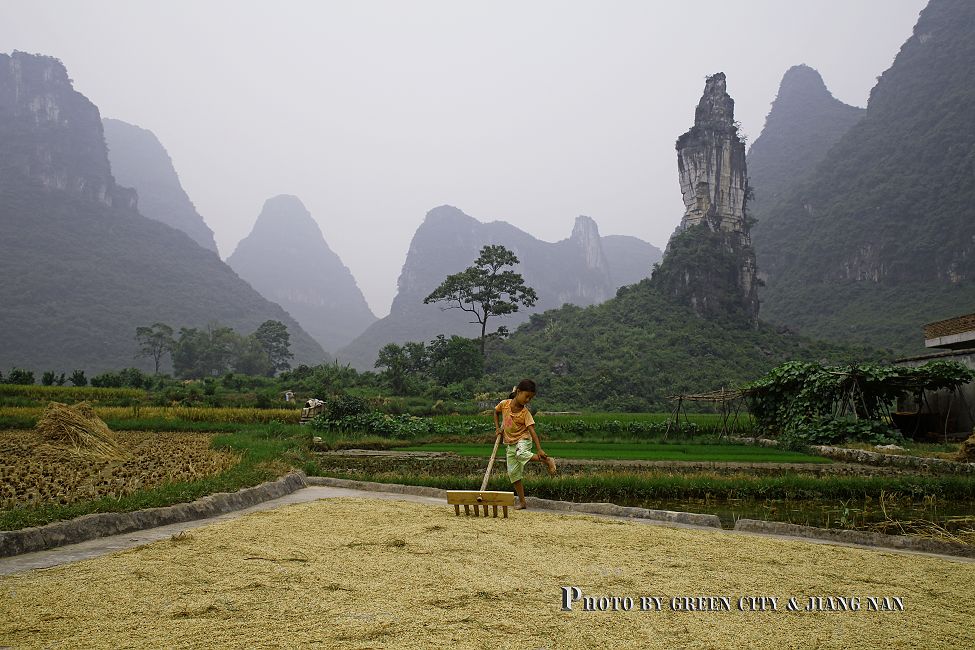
(514, 425)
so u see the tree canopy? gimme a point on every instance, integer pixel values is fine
(485, 289)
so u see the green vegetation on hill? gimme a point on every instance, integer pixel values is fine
(880, 238)
(88, 275)
(632, 352)
(804, 122)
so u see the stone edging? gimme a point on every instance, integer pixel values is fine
(694, 519)
(865, 457)
(861, 537)
(86, 527)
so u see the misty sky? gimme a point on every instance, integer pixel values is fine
(374, 112)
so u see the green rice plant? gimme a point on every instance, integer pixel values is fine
(626, 486)
(643, 451)
(173, 413)
(41, 395)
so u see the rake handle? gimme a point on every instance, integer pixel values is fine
(487, 474)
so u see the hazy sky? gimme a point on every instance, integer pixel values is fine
(374, 112)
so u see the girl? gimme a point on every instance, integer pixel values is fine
(518, 428)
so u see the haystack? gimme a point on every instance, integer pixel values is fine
(79, 428)
(966, 452)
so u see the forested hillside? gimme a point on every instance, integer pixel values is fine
(694, 326)
(880, 239)
(632, 352)
(81, 268)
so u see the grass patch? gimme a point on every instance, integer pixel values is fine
(644, 451)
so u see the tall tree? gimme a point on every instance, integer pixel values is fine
(155, 341)
(274, 338)
(484, 289)
(455, 359)
(396, 362)
(200, 353)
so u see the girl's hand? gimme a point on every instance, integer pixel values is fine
(542, 454)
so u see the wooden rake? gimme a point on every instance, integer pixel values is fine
(482, 497)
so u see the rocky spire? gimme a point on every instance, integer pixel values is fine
(585, 234)
(709, 262)
(286, 258)
(711, 163)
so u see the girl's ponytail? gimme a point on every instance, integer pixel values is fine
(526, 385)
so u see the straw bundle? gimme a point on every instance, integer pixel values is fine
(78, 427)
(966, 452)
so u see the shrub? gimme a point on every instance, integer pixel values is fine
(21, 377)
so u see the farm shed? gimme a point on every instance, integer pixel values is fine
(953, 412)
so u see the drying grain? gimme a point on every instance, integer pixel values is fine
(365, 573)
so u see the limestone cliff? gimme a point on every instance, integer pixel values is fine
(286, 258)
(575, 270)
(711, 163)
(709, 262)
(141, 162)
(82, 268)
(51, 135)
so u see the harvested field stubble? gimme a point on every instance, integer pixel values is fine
(367, 573)
(34, 473)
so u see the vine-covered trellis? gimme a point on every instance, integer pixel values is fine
(797, 394)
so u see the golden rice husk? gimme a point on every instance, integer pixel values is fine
(370, 573)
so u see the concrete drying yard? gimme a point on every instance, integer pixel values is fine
(378, 573)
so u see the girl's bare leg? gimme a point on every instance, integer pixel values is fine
(547, 462)
(520, 490)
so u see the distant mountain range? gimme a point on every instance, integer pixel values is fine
(804, 123)
(82, 267)
(286, 258)
(877, 236)
(584, 269)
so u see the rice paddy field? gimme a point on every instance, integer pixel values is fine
(641, 451)
(367, 573)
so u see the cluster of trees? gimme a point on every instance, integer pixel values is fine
(486, 289)
(408, 368)
(125, 378)
(217, 350)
